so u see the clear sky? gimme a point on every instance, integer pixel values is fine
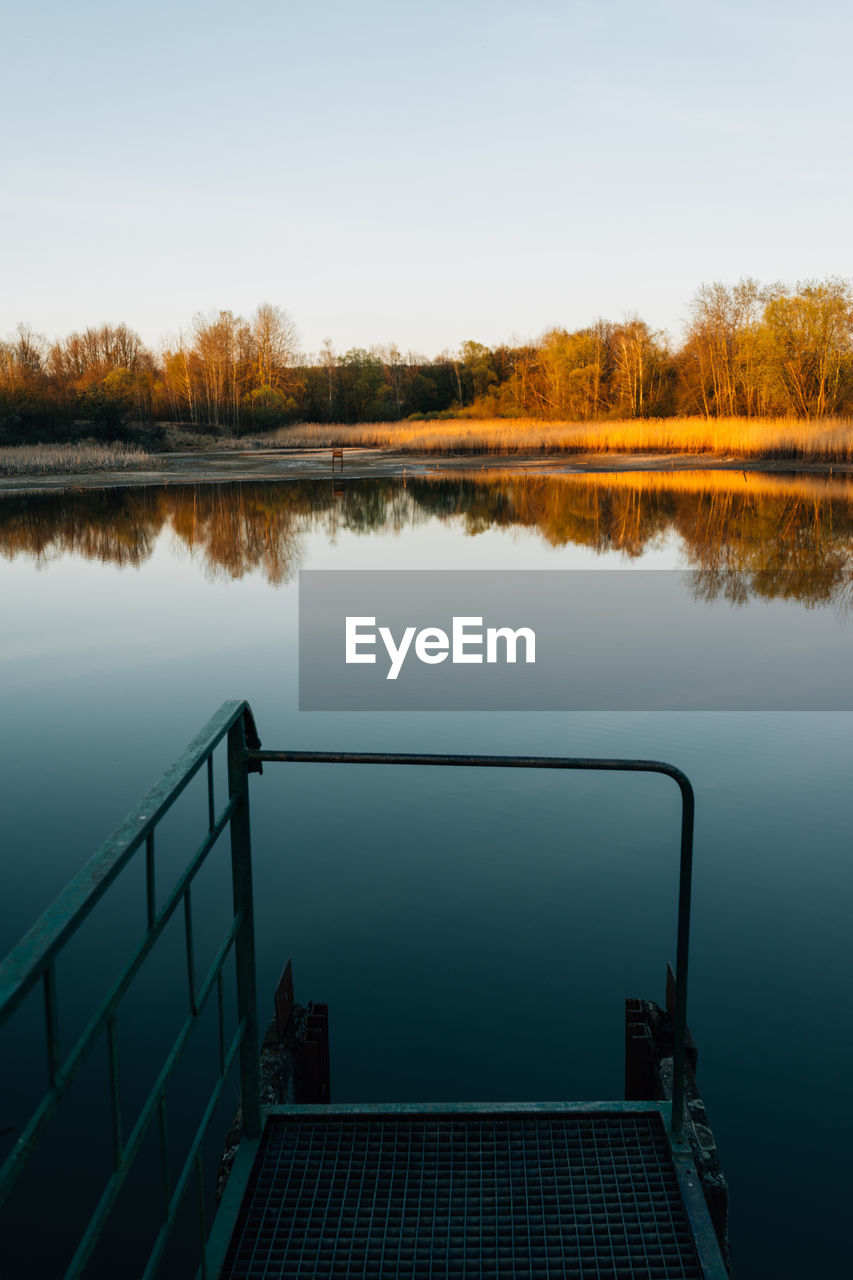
(418, 173)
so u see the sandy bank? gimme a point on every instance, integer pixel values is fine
(363, 463)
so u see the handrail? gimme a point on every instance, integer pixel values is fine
(25, 963)
(679, 1061)
(34, 960)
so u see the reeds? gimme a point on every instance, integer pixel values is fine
(826, 440)
(71, 459)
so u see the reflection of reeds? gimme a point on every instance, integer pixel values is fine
(735, 483)
(52, 459)
(828, 439)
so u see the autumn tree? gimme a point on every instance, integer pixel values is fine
(808, 346)
(639, 368)
(719, 363)
(181, 379)
(26, 397)
(224, 347)
(569, 375)
(110, 371)
(477, 372)
(273, 380)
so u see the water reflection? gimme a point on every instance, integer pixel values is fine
(745, 533)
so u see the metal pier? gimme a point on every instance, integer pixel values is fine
(536, 1190)
(562, 1189)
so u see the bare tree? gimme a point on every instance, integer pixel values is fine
(275, 343)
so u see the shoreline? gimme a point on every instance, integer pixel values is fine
(364, 463)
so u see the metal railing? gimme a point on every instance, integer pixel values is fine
(33, 962)
(679, 1063)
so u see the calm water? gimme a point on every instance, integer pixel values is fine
(475, 936)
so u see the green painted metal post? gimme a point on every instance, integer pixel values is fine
(244, 945)
(685, 887)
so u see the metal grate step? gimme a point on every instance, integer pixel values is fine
(545, 1195)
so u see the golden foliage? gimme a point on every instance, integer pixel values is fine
(828, 439)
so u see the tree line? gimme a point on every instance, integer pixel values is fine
(747, 350)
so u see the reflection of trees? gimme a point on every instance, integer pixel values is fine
(744, 534)
(233, 529)
(234, 532)
(115, 528)
(792, 548)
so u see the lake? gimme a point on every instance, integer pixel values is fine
(474, 935)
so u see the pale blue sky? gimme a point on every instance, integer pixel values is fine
(416, 173)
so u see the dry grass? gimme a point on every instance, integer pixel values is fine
(829, 440)
(55, 459)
